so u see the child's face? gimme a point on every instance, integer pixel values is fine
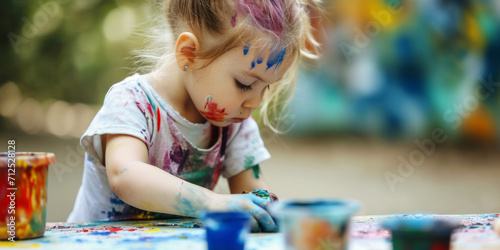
(230, 88)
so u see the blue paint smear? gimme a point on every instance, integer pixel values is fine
(82, 225)
(245, 49)
(184, 206)
(276, 58)
(253, 65)
(114, 213)
(116, 201)
(151, 239)
(260, 60)
(102, 233)
(49, 241)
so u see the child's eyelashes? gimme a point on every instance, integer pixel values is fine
(242, 86)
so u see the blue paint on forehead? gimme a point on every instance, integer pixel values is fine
(245, 49)
(276, 58)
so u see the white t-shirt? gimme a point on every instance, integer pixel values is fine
(134, 108)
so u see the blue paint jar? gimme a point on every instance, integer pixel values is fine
(226, 230)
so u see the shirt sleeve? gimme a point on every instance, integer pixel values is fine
(126, 110)
(245, 148)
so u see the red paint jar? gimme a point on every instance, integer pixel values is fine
(23, 194)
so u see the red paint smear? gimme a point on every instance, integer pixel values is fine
(214, 113)
(233, 19)
(115, 229)
(158, 117)
(140, 107)
(150, 109)
(216, 174)
(131, 230)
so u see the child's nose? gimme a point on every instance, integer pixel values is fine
(253, 101)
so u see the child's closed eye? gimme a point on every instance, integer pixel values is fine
(242, 86)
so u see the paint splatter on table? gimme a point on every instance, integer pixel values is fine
(476, 233)
(366, 232)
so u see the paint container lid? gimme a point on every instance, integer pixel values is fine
(319, 207)
(27, 159)
(421, 223)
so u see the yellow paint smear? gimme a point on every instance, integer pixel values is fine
(17, 245)
(152, 230)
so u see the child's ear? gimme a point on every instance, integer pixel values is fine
(185, 49)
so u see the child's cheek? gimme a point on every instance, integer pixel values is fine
(212, 111)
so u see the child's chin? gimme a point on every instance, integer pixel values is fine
(220, 124)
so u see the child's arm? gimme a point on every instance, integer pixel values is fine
(496, 226)
(149, 188)
(247, 180)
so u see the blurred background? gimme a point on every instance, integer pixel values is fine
(401, 113)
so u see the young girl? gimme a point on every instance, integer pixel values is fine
(160, 142)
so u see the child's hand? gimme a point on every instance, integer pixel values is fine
(264, 194)
(255, 205)
(261, 218)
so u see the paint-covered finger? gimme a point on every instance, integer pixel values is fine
(262, 193)
(273, 197)
(258, 201)
(265, 220)
(255, 227)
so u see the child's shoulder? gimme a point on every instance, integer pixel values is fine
(131, 82)
(132, 86)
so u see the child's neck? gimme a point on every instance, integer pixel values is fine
(169, 81)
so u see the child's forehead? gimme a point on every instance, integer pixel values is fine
(270, 60)
(262, 51)
(275, 55)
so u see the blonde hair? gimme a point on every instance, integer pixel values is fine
(264, 24)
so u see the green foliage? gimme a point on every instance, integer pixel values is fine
(58, 49)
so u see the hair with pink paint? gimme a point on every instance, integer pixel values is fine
(262, 24)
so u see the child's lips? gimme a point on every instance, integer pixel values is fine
(238, 120)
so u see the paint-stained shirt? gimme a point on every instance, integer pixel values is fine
(133, 107)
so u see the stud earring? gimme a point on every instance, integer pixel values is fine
(186, 67)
